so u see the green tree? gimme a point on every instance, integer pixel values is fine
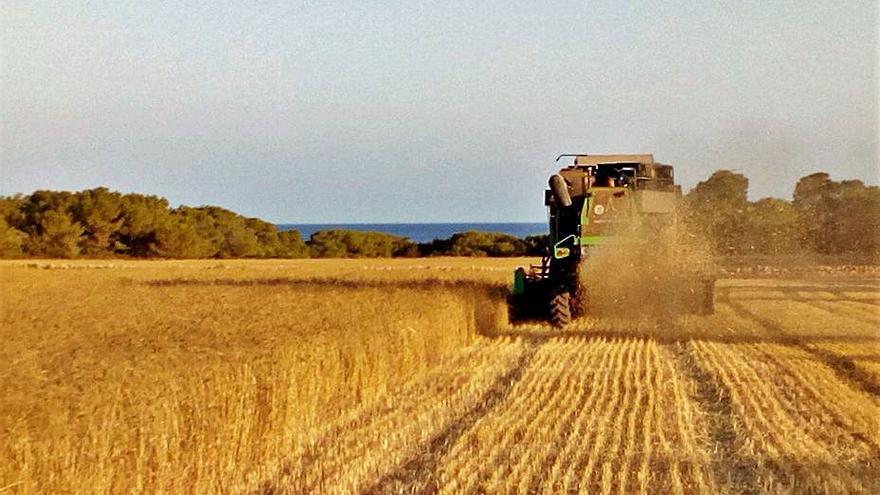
(291, 245)
(772, 228)
(58, 237)
(237, 240)
(477, 244)
(44, 217)
(11, 240)
(11, 210)
(142, 217)
(99, 211)
(266, 235)
(838, 217)
(856, 219)
(179, 239)
(814, 200)
(356, 244)
(226, 231)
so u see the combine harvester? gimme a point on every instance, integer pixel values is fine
(619, 203)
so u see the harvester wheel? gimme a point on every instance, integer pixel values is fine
(560, 309)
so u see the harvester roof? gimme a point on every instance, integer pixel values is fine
(609, 159)
(634, 171)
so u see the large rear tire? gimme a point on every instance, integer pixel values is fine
(560, 309)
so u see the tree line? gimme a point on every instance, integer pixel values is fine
(98, 223)
(824, 217)
(102, 223)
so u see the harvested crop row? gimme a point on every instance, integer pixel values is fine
(587, 418)
(867, 297)
(375, 438)
(852, 309)
(803, 319)
(840, 335)
(803, 429)
(865, 356)
(486, 457)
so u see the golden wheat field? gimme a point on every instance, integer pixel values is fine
(404, 376)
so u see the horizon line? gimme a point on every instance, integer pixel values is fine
(409, 223)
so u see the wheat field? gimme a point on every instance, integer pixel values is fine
(404, 376)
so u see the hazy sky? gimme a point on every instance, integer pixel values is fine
(432, 111)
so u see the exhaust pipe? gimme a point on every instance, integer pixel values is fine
(560, 190)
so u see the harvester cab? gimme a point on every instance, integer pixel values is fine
(597, 198)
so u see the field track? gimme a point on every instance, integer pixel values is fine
(776, 393)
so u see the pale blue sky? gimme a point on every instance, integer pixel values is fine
(436, 111)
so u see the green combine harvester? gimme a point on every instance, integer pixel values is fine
(595, 200)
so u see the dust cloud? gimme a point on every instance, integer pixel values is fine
(644, 270)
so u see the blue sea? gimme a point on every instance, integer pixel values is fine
(421, 232)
